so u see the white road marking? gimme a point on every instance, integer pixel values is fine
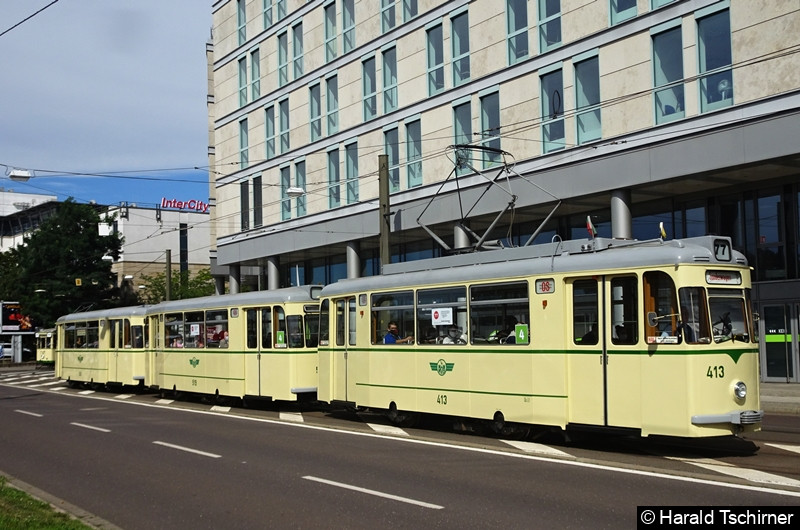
(292, 416)
(740, 472)
(387, 429)
(792, 448)
(86, 392)
(124, 396)
(188, 449)
(58, 388)
(51, 383)
(28, 413)
(375, 493)
(90, 427)
(217, 408)
(164, 401)
(540, 449)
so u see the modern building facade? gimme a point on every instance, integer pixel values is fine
(632, 112)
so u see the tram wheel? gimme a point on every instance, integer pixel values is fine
(402, 418)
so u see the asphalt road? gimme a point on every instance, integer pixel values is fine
(139, 462)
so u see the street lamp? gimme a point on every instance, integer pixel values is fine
(295, 192)
(20, 175)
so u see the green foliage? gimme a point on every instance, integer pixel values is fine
(67, 248)
(19, 511)
(183, 285)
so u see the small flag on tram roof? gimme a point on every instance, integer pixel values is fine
(661, 229)
(590, 227)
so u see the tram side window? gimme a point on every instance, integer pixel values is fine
(217, 328)
(173, 324)
(392, 307)
(251, 327)
(442, 316)
(137, 336)
(93, 334)
(660, 298)
(113, 332)
(340, 322)
(294, 324)
(69, 336)
(584, 312)
(624, 314)
(266, 328)
(693, 327)
(312, 328)
(280, 328)
(324, 323)
(194, 330)
(500, 313)
(127, 338)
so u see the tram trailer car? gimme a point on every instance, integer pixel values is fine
(46, 347)
(255, 345)
(650, 337)
(104, 347)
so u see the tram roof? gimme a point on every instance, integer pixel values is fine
(580, 255)
(303, 293)
(113, 312)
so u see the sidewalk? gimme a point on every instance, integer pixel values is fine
(776, 398)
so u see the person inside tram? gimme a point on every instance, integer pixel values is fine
(507, 335)
(178, 342)
(223, 341)
(685, 326)
(455, 336)
(393, 337)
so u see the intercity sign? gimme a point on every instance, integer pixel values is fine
(193, 204)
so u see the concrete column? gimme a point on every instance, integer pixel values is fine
(621, 224)
(234, 278)
(273, 281)
(219, 285)
(353, 260)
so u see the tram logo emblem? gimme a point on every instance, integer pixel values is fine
(80, 358)
(442, 367)
(194, 361)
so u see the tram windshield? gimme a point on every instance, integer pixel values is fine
(728, 315)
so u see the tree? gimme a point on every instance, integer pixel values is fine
(60, 267)
(182, 286)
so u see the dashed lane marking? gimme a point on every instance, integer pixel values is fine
(374, 492)
(740, 472)
(92, 427)
(164, 401)
(124, 396)
(296, 417)
(187, 449)
(217, 408)
(86, 392)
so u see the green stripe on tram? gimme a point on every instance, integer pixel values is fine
(461, 391)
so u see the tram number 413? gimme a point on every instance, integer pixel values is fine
(716, 372)
(441, 399)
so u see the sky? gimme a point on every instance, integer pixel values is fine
(105, 100)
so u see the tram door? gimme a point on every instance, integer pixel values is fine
(345, 341)
(587, 360)
(780, 355)
(259, 333)
(113, 355)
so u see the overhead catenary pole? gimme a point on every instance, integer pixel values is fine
(168, 293)
(384, 211)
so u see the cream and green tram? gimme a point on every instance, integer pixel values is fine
(46, 346)
(652, 338)
(105, 347)
(259, 344)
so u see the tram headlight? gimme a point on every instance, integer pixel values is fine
(740, 390)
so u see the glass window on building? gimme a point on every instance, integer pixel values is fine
(414, 153)
(315, 112)
(286, 202)
(668, 74)
(242, 81)
(387, 15)
(241, 21)
(348, 25)
(622, 10)
(297, 50)
(549, 24)
(517, 30)
(410, 9)
(243, 143)
(269, 125)
(244, 204)
(334, 178)
(715, 59)
(771, 248)
(460, 41)
(283, 59)
(390, 93)
(300, 182)
(267, 13)
(331, 36)
(587, 100)
(552, 86)
(392, 150)
(462, 135)
(435, 45)
(490, 128)
(255, 74)
(281, 8)
(351, 171)
(258, 204)
(369, 88)
(332, 104)
(283, 110)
